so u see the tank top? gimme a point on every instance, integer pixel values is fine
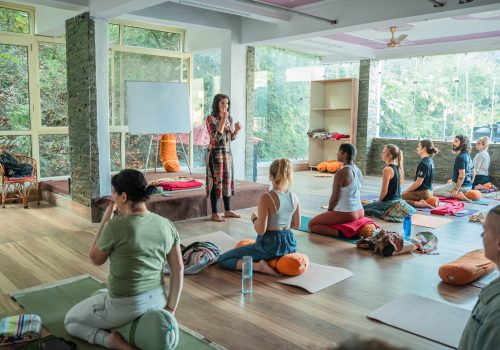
(283, 216)
(393, 190)
(349, 198)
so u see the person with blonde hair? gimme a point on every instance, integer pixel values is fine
(390, 193)
(481, 163)
(421, 189)
(482, 331)
(345, 202)
(277, 212)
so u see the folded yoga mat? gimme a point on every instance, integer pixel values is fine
(485, 280)
(316, 278)
(485, 201)
(430, 221)
(466, 212)
(304, 221)
(53, 300)
(424, 317)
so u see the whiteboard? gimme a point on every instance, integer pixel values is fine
(158, 107)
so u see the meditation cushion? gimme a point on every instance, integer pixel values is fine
(434, 201)
(154, 330)
(244, 242)
(473, 195)
(332, 167)
(467, 268)
(168, 153)
(367, 230)
(488, 185)
(289, 265)
(322, 166)
(293, 264)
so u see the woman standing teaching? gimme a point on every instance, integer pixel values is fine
(219, 160)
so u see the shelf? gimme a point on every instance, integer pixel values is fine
(330, 109)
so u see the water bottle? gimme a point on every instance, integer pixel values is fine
(407, 227)
(246, 275)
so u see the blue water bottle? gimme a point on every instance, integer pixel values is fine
(407, 227)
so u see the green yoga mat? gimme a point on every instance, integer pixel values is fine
(304, 221)
(52, 301)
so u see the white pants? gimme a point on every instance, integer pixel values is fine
(445, 190)
(91, 318)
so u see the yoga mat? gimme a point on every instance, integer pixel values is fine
(425, 210)
(221, 239)
(317, 277)
(424, 317)
(466, 212)
(485, 280)
(53, 300)
(485, 201)
(430, 221)
(304, 221)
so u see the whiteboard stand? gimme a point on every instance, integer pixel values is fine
(149, 154)
(184, 151)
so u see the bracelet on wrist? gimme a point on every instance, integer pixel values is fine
(170, 309)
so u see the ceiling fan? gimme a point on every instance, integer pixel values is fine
(394, 42)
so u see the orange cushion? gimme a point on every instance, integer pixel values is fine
(434, 201)
(293, 264)
(467, 268)
(473, 195)
(168, 153)
(322, 166)
(367, 230)
(332, 167)
(244, 242)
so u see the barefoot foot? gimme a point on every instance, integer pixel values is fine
(116, 341)
(217, 218)
(231, 214)
(423, 204)
(263, 267)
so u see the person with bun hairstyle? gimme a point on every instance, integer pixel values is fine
(345, 202)
(277, 212)
(137, 243)
(481, 163)
(421, 189)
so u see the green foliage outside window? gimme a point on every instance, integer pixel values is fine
(114, 34)
(53, 87)
(153, 39)
(14, 21)
(14, 89)
(16, 144)
(54, 155)
(284, 105)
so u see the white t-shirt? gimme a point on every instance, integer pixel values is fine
(482, 163)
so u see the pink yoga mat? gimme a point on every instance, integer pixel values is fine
(430, 221)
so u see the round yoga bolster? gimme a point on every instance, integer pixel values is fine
(168, 153)
(466, 269)
(473, 195)
(434, 201)
(293, 264)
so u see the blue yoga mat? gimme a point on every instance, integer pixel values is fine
(304, 221)
(485, 201)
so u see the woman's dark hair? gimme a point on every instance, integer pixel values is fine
(348, 149)
(215, 103)
(429, 147)
(464, 143)
(133, 183)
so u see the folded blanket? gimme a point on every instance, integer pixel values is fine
(448, 208)
(180, 185)
(351, 229)
(20, 328)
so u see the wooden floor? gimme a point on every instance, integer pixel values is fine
(43, 244)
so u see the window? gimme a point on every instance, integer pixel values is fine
(153, 39)
(14, 21)
(439, 97)
(281, 103)
(54, 155)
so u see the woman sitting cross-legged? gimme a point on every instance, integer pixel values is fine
(421, 188)
(277, 211)
(390, 193)
(345, 203)
(137, 245)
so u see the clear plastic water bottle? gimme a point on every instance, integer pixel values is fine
(246, 275)
(407, 227)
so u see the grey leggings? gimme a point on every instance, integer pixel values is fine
(91, 318)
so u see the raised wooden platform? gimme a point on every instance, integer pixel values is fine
(181, 205)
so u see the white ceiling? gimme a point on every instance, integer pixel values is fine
(362, 30)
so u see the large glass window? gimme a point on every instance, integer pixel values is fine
(14, 21)
(14, 88)
(441, 96)
(153, 39)
(16, 144)
(281, 103)
(54, 155)
(53, 86)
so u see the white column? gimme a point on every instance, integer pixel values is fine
(233, 83)
(102, 96)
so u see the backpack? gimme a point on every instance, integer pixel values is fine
(13, 168)
(49, 342)
(196, 257)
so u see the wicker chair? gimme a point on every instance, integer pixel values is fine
(20, 186)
